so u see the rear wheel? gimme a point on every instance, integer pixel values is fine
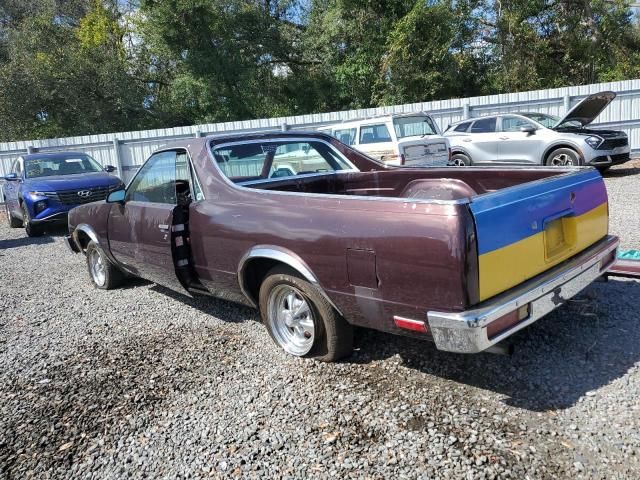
(30, 229)
(301, 320)
(103, 273)
(563, 157)
(11, 220)
(460, 160)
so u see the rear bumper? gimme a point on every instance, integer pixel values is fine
(467, 332)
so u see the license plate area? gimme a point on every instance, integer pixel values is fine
(559, 237)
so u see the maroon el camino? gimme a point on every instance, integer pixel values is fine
(321, 238)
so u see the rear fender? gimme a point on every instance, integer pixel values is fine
(283, 256)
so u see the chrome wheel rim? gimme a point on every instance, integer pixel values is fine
(291, 319)
(562, 160)
(98, 271)
(456, 162)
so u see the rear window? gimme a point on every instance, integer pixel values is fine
(414, 126)
(485, 125)
(462, 127)
(374, 134)
(276, 159)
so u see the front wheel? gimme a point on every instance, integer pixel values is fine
(563, 157)
(11, 220)
(30, 229)
(104, 274)
(460, 160)
(301, 320)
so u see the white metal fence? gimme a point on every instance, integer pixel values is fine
(128, 150)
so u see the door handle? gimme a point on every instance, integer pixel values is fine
(504, 138)
(466, 140)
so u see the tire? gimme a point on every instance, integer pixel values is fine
(563, 157)
(104, 274)
(30, 229)
(460, 160)
(318, 332)
(11, 220)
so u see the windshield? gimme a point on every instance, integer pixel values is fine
(61, 164)
(549, 121)
(415, 125)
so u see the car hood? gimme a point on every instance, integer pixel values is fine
(588, 109)
(71, 182)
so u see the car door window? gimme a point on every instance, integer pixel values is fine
(17, 168)
(513, 124)
(346, 135)
(374, 134)
(486, 125)
(186, 176)
(156, 180)
(463, 127)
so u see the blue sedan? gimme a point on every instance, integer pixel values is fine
(43, 187)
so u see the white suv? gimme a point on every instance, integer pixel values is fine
(540, 139)
(407, 139)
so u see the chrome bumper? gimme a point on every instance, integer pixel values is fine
(466, 332)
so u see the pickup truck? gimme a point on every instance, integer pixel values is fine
(464, 257)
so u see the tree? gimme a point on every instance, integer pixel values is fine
(66, 73)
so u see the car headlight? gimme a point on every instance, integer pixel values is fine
(40, 206)
(593, 142)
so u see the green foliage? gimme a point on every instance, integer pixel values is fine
(71, 67)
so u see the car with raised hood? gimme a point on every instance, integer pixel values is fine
(412, 139)
(539, 139)
(464, 257)
(43, 187)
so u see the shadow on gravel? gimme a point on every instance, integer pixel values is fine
(621, 172)
(24, 241)
(584, 345)
(224, 310)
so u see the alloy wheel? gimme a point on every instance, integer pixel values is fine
(97, 267)
(562, 160)
(292, 319)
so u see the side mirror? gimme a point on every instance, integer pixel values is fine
(116, 197)
(109, 168)
(528, 129)
(11, 177)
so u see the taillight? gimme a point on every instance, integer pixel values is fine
(507, 321)
(607, 261)
(450, 154)
(410, 324)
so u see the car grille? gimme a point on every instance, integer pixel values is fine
(611, 143)
(72, 197)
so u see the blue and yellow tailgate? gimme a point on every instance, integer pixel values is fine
(524, 230)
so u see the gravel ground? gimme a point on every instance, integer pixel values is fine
(140, 382)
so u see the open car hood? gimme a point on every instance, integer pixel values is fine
(588, 109)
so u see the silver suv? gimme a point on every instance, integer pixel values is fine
(540, 139)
